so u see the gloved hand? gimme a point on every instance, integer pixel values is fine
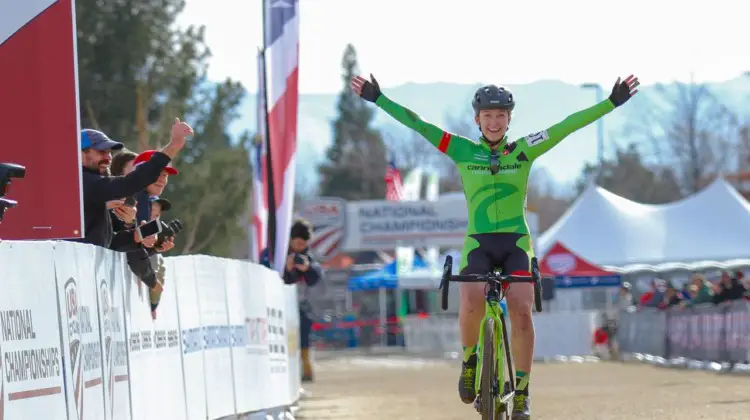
(622, 91)
(369, 91)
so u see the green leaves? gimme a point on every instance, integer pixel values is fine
(133, 60)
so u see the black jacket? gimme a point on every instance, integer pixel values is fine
(304, 281)
(99, 189)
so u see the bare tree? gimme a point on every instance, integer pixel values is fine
(690, 130)
(410, 150)
(628, 176)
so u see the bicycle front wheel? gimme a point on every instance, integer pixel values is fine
(489, 372)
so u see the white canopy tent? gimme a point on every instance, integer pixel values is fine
(711, 227)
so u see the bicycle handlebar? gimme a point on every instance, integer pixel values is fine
(483, 278)
(447, 278)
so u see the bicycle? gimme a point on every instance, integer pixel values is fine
(493, 337)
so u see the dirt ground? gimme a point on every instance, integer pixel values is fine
(396, 387)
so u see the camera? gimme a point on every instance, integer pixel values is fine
(6, 204)
(299, 259)
(168, 229)
(8, 171)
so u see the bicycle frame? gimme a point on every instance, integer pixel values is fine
(503, 359)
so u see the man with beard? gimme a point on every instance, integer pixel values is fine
(99, 187)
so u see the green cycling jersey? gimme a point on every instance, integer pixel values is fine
(496, 203)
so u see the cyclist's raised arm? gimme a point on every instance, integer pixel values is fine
(541, 142)
(448, 143)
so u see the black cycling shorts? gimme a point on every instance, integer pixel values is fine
(495, 251)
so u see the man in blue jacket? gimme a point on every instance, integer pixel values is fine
(301, 269)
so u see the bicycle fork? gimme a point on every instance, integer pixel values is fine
(503, 359)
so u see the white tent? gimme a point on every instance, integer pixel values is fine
(712, 225)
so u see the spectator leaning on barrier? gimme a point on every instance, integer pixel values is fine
(700, 290)
(730, 289)
(158, 207)
(153, 190)
(672, 297)
(302, 270)
(99, 187)
(123, 163)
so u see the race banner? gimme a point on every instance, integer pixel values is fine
(210, 275)
(110, 278)
(31, 377)
(82, 349)
(389, 224)
(193, 339)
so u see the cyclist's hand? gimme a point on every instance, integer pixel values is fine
(368, 90)
(622, 91)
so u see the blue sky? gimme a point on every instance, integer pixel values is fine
(472, 41)
(475, 41)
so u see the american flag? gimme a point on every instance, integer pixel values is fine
(394, 190)
(259, 225)
(281, 40)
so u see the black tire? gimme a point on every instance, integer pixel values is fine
(537, 276)
(538, 295)
(489, 371)
(445, 281)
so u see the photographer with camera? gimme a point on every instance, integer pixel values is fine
(302, 270)
(141, 259)
(158, 207)
(100, 188)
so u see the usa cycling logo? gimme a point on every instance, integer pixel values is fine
(328, 217)
(2, 386)
(74, 340)
(107, 313)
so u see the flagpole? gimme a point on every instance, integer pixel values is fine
(271, 221)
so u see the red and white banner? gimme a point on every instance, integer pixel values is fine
(39, 117)
(259, 223)
(282, 58)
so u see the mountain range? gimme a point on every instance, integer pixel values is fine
(539, 105)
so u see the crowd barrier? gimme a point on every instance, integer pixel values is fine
(78, 340)
(560, 334)
(709, 333)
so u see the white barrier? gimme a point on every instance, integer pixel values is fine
(557, 334)
(78, 340)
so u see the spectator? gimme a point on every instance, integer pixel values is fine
(137, 257)
(730, 289)
(303, 271)
(154, 189)
(700, 290)
(672, 297)
(158, 207)
(625, 297)
(122, 162)
(99, 187)
(654, 297)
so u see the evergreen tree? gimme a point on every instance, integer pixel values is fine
(137, 72)
(356, 160)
